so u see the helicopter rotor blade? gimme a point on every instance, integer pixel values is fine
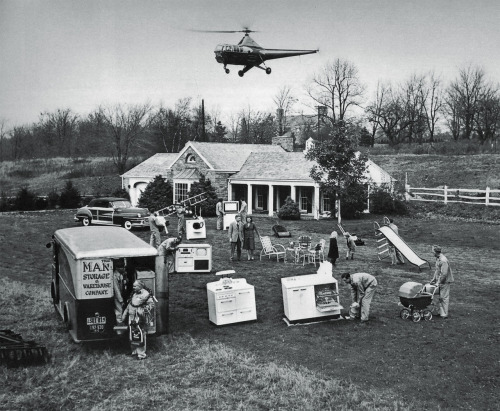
(246, 31)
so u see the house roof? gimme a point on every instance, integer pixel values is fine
(275, 166)
(153, 166)
(229, 156)
(286, 166)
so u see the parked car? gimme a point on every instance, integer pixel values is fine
(112, 211)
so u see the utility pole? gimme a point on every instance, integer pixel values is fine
(204, 136)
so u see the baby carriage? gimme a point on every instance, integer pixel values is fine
(417, 301)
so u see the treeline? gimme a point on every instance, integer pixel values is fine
(123, 131)
(414, 111)
(421, 109)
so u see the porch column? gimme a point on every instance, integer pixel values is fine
(292, 192)
(229, 191)
(270, 200)
(249, 198)
(316, 202)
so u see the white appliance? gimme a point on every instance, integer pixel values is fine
(310, 297)
(231, 300)
(196, 229)
(231, 208)
(193, 258)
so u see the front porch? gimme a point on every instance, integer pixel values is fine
(265, 197)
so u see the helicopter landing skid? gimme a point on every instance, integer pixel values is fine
(226, 69)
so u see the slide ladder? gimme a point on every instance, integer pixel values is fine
(382, 243)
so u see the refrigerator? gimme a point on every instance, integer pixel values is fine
(231, 208)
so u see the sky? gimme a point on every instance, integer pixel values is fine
(79, 54)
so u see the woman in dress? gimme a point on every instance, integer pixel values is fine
(249, 233)
(333, 252)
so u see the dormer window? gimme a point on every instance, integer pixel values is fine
(190, 159)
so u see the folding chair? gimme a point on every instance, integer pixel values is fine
(315, 254)
(269, 249)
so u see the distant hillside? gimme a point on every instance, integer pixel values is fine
(98, 176)
(91, 176)
(461, 171)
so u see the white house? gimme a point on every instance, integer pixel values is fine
(262, 174)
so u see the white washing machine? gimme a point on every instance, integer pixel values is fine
(196, 229)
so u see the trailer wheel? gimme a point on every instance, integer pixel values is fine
(405, 313)
(416, 317)
(427, 315)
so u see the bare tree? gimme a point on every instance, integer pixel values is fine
(463, 94)
(3, 134)
(234, 126)
(125, 125)
(255, 127)
(59, 129)
(453, 113)
(414, 111)
(374, 110)
(432, 97)
(21, 141)
(487, 120)
(338, 88)
(171, 125)
(389, 112)
(284, 101)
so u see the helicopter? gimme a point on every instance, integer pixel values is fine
(249, 54)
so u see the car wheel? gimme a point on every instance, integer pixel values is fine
(127, 225)
(86, 221)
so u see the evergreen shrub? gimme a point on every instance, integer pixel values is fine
(289, 211)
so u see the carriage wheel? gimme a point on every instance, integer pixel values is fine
(427, 315)
(416, 317)
(405, 313)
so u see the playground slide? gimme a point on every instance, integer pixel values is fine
(403, 248)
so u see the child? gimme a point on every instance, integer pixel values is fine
(333, 252)
(351, 245)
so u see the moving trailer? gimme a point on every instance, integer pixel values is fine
(82, 277)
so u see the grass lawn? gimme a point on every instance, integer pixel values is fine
(390, 364)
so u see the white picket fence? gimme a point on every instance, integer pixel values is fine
(447, 195)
